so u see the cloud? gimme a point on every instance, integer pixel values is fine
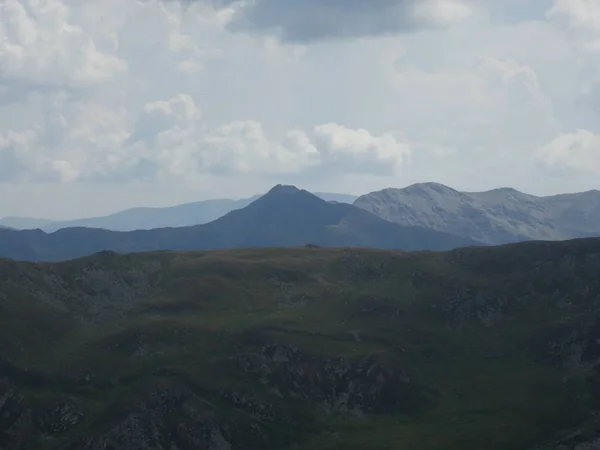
(496, 102)
(579, 151)
(22, 160)
(347, 150)
(308, 21)
(582, 20)
(226, 97)
(39, 45)
(170, 142)
(14, 148)
(174, 134)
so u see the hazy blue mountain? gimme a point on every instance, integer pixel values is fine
(24, 223)
(285, 216)
(492, 217)
(146, 218)
(340, 198)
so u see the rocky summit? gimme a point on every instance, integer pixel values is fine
(499, 216)
(304, 348)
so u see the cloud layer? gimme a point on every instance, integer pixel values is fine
(169, 141)
(314, 20)
(207, 98)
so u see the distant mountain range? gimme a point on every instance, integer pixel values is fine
(187, 214)
(285, 216)
(421, 216)
(493, 217)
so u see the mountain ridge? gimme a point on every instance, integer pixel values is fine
(286, 216)
(144, 218)
(491, 217)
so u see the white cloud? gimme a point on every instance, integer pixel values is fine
(349, 150)
(14, 152)
(39, 44)
(441, 12)
(498, 103)
(580, 19)
(169, 141)
(100, 94)
(579, 150)
(579, 12)
(175, 137)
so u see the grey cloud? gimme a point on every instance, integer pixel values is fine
(311, 20)
(15, 90)
(10, 165)
(594, 96)
(306, 21)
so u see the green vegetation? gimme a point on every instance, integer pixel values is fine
(303, 348)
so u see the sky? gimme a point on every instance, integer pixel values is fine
(119, 103)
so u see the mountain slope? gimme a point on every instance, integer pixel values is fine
(340, 198)
(24, 223)
(184, 215)
(187, 214)
(285, 216)
(492, 217)
(303, 348)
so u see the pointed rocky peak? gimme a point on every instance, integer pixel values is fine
(283, 189)
(287, 194)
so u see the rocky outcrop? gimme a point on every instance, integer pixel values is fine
(363, 386)
(171, 416)
(23, 424)
(16, 428)
(58, 417)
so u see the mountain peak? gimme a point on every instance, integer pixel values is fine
(285, 195)
(505, 190)
(283, 189)
(429, 186)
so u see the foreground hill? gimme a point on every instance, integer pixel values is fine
(285, 216)
(302, 349)
(142, 218)
(493, 217)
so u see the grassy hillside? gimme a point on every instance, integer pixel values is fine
(303, 348)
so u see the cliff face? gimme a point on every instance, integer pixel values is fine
(303, 348)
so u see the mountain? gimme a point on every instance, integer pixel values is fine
(493, 217)
(304, 348)
(183, 215)
(285, 216)
(24, 223)
(340, 198)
